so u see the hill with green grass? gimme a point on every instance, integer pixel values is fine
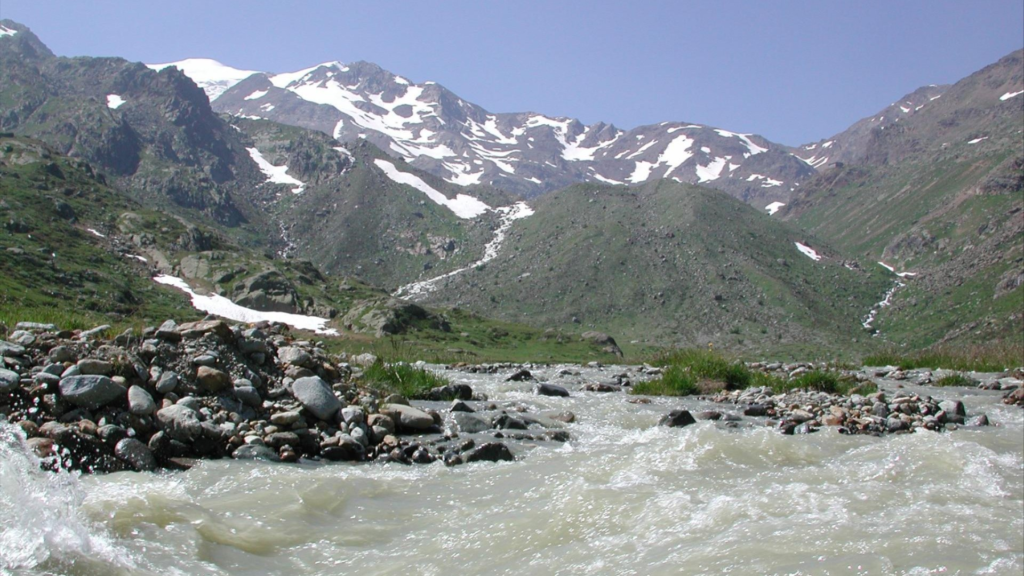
(669, 263)
(939, 194)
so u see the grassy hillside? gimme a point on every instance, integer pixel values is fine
(940, 194)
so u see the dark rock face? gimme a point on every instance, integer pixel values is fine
(677, 419)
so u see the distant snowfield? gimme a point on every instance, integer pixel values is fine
(5, 31)
(976, 140)
(221, 306)
(1009, 95)
(276, 174)
(212, 76)
(463, 206)
(509, 214)
(893, 270)
(808, 251)
(774, 207)
(114, 101)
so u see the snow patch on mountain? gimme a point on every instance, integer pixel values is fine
(753, 148)
(774, 207)
(212, 76)
(463, 206)
(221, 306)
(808, 251)
(712, 171)
(1009, 95)
(114, 101)
(276, 174)
(5, 31)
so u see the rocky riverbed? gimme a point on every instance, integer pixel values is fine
(209, 390)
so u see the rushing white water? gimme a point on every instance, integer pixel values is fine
(623, 497)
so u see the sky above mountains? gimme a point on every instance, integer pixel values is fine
(793, 71)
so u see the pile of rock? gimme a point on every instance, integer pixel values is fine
(207, 389)
(801, 412)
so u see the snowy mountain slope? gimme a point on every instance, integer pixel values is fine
(212, 76)
(527, 153)
(851, 144)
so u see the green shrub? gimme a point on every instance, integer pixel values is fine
(402, 378)
(707, 364)
(676, 380)
(954, 380)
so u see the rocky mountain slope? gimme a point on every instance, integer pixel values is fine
(526, 153)
(939, 194)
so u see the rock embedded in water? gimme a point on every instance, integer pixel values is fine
(489, 452)
(90, 391)
(677, 419)
(317, 397)
(756, 410)
(521, 375)
(469, 423)
(408, 418)
(545, 389)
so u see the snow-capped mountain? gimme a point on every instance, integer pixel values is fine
(851, 144)
(527, 153)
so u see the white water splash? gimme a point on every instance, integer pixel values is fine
(509, 214)
(42, 526)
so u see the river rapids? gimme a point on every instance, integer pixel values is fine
(624, 496)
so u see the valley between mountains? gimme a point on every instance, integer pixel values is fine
(386, 207)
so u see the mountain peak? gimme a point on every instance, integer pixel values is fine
(20, 40)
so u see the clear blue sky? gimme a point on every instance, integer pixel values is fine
(792, 71)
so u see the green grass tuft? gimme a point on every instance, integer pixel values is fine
(954, 380)
(403, 379)
(995, 357)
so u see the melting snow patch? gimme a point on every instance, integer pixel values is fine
(221, 306)
(276, 174)
(893, 270)
(808, 251)
(1009, 95)
(710, 172)
(114, 101)
(96, 233)
(462, 206)
(753, 148)
(256, 95)
(137, 257)
(774, 207)
(976, 140)
(5, 31)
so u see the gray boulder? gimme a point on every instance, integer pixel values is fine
(180, 422)
(90, 391)
(136, 454)
(140, 402)
(469, 423)
(9, 380)
(317, 397)
(407, 417)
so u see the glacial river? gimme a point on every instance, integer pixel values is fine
(624, 496)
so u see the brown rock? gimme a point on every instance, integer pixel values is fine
(212, 380)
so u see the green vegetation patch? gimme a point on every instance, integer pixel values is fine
(991, 357)
(401, 378)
